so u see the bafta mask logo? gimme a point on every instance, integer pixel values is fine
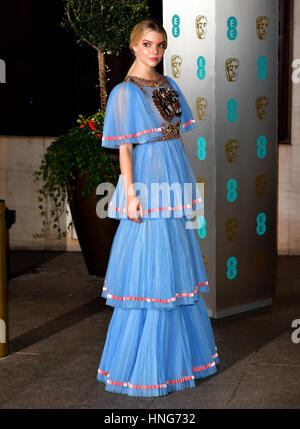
(261, 182)
(261, 105)
(201, 26)
(202, 179)
(262, 27)
(176, 63)
(261, 260)
(231, 228)
(201, 108)
(231, 150)
(232, 69)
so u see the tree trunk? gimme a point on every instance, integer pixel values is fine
(102, 80)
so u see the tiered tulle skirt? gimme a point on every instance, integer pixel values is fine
(163, 180)
(160, 337)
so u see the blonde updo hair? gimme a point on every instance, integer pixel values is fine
(140, 29)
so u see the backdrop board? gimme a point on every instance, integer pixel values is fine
(223, 54)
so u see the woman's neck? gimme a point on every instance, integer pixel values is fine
(151, 74)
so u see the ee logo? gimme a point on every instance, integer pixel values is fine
(261, 223)
(201, 145)
(175, 23)
(202, 224)
(261, 150)
(201, 67)
(231, 267)
(231, 190)
(231, 110)
(232, 31)
(262, 64)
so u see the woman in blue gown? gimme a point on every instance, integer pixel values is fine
(160, 337)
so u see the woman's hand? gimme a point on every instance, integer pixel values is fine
(133, 206)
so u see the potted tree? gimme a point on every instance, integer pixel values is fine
(105, 26)
(75, 163)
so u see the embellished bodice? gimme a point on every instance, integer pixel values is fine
(164, 102)
(141, 111)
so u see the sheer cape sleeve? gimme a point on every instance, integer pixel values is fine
(128, 118)
(187, 120)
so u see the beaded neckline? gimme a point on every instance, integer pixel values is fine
(147, 82)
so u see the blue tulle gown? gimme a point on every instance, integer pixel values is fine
(160, 337)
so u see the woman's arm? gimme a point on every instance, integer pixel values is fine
(181, 140)
(133, 203)
(126, 166)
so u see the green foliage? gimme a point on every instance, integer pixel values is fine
(79, 150)
(104, 24)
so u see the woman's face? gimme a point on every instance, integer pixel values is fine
(150, 49)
